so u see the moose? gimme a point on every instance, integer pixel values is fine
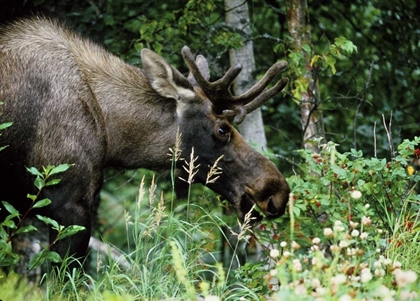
(70, 101)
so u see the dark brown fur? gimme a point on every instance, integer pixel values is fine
(72, 102)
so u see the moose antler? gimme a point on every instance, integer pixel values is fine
(219, 94)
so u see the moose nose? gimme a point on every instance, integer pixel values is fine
(276, 206)
(270, 195)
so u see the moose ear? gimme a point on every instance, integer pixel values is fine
(203, 66)
(163, 78)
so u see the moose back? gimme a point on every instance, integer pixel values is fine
(70, 101)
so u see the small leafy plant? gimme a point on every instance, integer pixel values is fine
(13, 223)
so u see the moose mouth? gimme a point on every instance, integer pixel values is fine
(266, 203)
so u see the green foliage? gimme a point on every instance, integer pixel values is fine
(12, 224)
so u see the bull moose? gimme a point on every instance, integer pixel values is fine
(70, 101)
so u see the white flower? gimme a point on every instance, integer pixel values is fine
(295, 245)
(328, 232)
(404, 277)
(274, 253)
(297, 265)
(343, 244)
(273, 272)
(365, 275)
(355, 233)
(379, 272)
(367, 206)
(356, 194)
(316, 240)
(338, 279)
(283, 244)
(345, 298)
(338, 226)
(366, 221)
(316, 283)
(353, 224)
(286, 254)
(363, 236)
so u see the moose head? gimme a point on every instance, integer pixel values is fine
(205, 111)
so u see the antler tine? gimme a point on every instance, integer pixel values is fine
(216, 91)
(263, 97)
(256, 90)
(195, 71)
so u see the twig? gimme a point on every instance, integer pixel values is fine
(374, 139)
(388, 133)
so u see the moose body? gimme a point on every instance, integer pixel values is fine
(70, 101)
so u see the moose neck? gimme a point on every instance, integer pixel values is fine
(140, 125)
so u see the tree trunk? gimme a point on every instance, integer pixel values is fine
(311, 112)
(237, 16)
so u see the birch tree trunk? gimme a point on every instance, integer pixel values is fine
(237, 16)
(311, 112)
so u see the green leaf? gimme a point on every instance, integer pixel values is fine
(48, 221)
(26, 229)
(31, 197)
(330, 62)
(60, 168)
(70, 230)
(42, 203)
(53, 182)
(39, 183)
(34, 171)
(9, 224)
(53, 256)
(307, 48)
(37, 260)
(5, 125)
(10, 208)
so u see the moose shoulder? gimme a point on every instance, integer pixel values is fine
(70, 101)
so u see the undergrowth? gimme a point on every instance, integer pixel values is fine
(351, 233)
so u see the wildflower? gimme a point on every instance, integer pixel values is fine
(338, 226)
(377, 264)
(297, 265)
(363, 236)
(295, 245)
(353, 225)
(274, 253)
(396, 265)
(410, 170)
(356, 194)
(300, 290)
(286, 254)
(335, 248)
(283, 244)
(338, 279)
(343, 244)
(366, 221)
(367, 205)
(355, 233)
(316, 283)
(351, 251)
(379, 272)
(345, 298)
(328, 232)
(407, 295)
(365, 275)
(404, 277)
(316, 240)
(273, 272)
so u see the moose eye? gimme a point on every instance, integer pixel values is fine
(223, 131)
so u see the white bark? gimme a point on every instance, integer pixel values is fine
(237, 16)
